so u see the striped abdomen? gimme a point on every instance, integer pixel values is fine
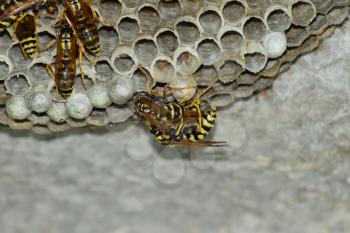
(25, 30)
(65, 70)
(80, 14)
(170, 112)
(201, 128)
(182, 130)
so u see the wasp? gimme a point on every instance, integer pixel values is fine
(81, 18)
(176, 123)
(65, 63)
(25, 30)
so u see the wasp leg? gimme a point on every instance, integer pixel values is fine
(81, 51)
(148, 81)
(48, 46)
(53, 76)
(49, 15)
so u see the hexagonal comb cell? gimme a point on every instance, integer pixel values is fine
(254, 28)
(206, 75)
(149, 18)
(163, 71)
(132, 3)
(296, 35)
(104, 69)
(146, 51)
(187, 62)
(210, 22)
(188, 32)
(17, 84)
(17, 57)
(230, 71)
(128, 29)
(232, 41)
(278, 20)
(39, 75)
(123, 62)
(44, 39)
(303, 12)
(109, 10)
(139, 80)
(5, 67)
(167, 42)
(5, 41)
(169, 9)
(108, 40)
(233, 11)
(209, 51)
(190, 6)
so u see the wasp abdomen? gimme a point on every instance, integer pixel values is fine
(25, 30)
(65, 61)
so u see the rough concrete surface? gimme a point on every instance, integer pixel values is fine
(287, 168)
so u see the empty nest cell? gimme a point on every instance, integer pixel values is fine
(110, 10)
(146, 51)
(209, 51)
(169, 9)
(139, 80)
(210, 22)
(38, 74)
(278, 20)
(230, 71)
(5, 68)
(303, 12)
(149, 18)
(17, 57)
(44, 38)
(108, 39)
(5, 41)
(132, 3)
(188, 32)
(128, 29)
(254, 29)
(206, 75)
(17, 84)
(104, 69)
(187, 62)
(123, 62)
(231, 41)
(233, 11)
(296, 35)
(163, 71)
(167, 42)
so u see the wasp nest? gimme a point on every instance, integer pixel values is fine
(236, 47)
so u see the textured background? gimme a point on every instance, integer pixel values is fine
(287, 168)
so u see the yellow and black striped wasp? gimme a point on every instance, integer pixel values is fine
(64, 70)
(175, 123)
(78, 13)
(25, 30)
(82, 19)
